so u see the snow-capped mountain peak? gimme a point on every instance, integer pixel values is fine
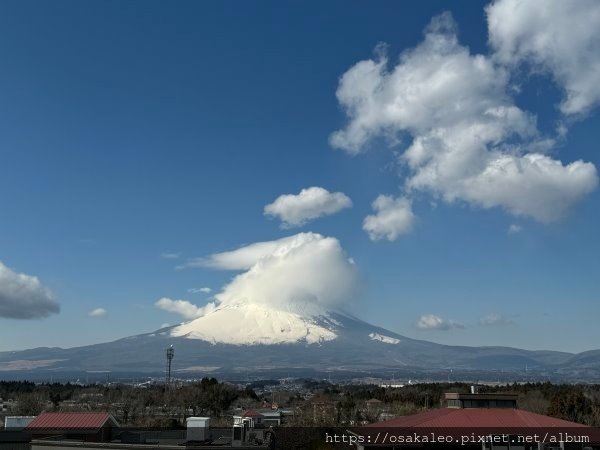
(252, 324)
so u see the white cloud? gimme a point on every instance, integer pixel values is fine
(311, 203)
(495, 319)
(98, 312)
(22, 296)
(168, 255)
(393, 217)
(433, 322)
(241, 259)
(514, 228)
(302, 270)
(306, 272)
(532, 185)
(556, 36)
(165, 325)
(202, 290)
(470, 143)
(436, 85)
(184, 308)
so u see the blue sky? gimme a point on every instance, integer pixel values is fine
(133, 129)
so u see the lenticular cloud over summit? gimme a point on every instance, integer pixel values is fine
(289, 282)
(295, 273)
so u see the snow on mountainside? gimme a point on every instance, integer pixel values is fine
(253, 324)
(283, 297)
(382, 338)
(233, 340)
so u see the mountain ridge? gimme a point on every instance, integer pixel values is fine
(358, 347)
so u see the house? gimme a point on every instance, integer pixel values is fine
(258, 419)
(271, 418)
(475, 422)
(83, 426)
(252, 417)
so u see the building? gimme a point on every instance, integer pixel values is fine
(17, 422)
(99, 431)
(198, 428)
(271, 418)
(475, 422)
(259, 419)
(473, 400)
(4, 405)
(14, 440)
(251, 417)
(83, 426)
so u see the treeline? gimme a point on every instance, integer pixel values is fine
(149, 406)
(577, 403)
(329, 403)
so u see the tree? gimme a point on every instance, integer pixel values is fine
(30, 404)
(573, 406)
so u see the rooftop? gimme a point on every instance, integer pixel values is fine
(72, 420)
(475, 400)
(251, 413)
(491, 396)
(476, 417)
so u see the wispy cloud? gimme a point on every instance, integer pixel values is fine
(170, 255)
(514, 229)
(240, 259)
(202, 290)
(433, 322)
(495, 319)
(184, 308)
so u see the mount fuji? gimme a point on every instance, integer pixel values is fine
(282, 314)
(250, 338)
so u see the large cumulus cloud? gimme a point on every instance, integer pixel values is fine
(555, 36)
(469, 142)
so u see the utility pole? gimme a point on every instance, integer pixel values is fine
(170, 354)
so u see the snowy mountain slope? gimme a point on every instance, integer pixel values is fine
(382, 338)
(253, 324)
(264, 340)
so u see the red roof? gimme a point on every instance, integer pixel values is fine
(67, 420)
(251, 413)
(476, 417)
